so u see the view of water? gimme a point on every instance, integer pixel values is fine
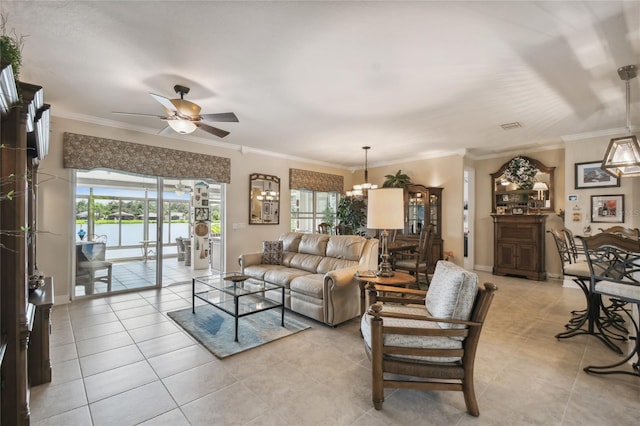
(133, 233)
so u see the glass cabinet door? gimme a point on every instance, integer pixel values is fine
(434, 208)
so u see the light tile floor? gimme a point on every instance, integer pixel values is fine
(120, 360)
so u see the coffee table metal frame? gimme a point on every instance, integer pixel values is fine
(234, 298)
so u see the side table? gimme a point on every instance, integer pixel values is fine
(399, 279)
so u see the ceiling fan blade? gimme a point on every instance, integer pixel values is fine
(166, 102)
(210, 129)
(138, 113)
(225, 116)
(166, 131)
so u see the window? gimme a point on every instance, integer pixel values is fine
(309, 208)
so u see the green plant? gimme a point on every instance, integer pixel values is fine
(352, 212)
(399, 180)
(10, 47)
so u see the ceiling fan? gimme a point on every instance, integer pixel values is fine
(184, 117)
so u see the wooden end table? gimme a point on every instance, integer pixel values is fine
(399, 279)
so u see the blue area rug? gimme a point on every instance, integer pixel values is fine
(216, 330)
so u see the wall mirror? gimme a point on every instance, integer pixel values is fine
(264, 199)
(513, 196)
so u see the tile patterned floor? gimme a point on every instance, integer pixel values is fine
(120, 360)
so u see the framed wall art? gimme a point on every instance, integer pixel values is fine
(591, 175)
(607, 208)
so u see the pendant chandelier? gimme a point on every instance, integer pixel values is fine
(361, 190)
(622, 158)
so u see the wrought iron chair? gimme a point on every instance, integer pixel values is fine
(614, 262)
(417, 262)
(430, 336)
(580, 274)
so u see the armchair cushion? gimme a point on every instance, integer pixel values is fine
(452, 293)
(410, 341)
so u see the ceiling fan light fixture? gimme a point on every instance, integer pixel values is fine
(622, 158)
(183, 127)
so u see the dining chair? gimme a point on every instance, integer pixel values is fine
(324, 228)
(342, 229)
(614, 263)
(429, 338)
(417, 262)
(578, 271)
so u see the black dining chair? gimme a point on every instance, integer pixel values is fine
(614, 263)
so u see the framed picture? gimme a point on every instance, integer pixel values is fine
(591, 175)
(607, 208)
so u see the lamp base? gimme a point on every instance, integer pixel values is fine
(385, 270)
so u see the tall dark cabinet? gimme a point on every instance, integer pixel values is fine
(519, 245)
(24, 138)
(423, 205)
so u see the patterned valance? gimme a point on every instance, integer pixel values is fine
(315, 181)
(90, 152)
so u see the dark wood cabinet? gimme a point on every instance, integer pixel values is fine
(23, 142)
(39, 352)
(423, 205)
(519, 246)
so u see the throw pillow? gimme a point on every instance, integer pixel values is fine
(451, 293)
(272, 252)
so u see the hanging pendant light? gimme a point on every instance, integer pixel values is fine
(622, 158)
(361, 190)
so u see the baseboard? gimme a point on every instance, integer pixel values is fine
(61, 299)
(483, 268)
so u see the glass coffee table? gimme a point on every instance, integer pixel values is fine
(227, 292)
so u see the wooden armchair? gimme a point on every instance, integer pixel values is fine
(430, 336)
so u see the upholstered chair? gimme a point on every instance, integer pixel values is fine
(431, 337)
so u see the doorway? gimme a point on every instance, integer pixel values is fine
(468, 216)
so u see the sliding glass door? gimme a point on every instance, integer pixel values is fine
(130, 235)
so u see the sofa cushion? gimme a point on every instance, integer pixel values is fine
(272, 252)
(291, 241)
(451, 293)
(348, 247)
(259, 271)
(306, 262)
(328, 264)
(282, 275)
(314, 244)
(432, 342)
(310, 285)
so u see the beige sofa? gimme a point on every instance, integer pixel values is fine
(317, 271)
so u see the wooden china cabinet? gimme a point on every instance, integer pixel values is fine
(519, 223)
(24, 132)
(423, 205)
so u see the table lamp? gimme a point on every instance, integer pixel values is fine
(385, 210)
(540, 187)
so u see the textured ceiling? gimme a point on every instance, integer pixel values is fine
(319, 80)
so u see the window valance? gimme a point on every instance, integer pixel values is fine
(315, 181)
(91, 152)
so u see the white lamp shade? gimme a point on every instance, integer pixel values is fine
(540, 186)
(182, 126)
(385, 208)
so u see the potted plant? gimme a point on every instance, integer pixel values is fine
(399, 180)
(10, 47)
(352, 212)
